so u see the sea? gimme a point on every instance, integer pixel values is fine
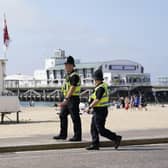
(37, 104)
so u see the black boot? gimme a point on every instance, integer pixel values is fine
(75, 139)
(117, 142)
(92, 147)
(59, 137)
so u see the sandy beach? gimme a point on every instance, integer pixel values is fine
(45, 121)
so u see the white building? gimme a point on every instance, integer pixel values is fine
(57, 59)
(163, 80)
(116, 72)
(19, 80)
(40, 76)
(125, 72)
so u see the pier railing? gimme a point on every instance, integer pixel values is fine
(15, 84)
(52, 92)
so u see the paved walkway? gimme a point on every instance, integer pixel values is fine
(47, 139)
(38, 125)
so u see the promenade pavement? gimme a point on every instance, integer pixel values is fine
(39, 124)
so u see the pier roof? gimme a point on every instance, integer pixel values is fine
(78, 66)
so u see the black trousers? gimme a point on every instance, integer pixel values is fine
(72, 108)
(98, 125)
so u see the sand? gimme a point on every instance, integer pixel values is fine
(36, 121)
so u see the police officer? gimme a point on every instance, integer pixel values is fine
(99, 101)
(70, 104)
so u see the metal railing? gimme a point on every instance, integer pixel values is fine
(44, 84)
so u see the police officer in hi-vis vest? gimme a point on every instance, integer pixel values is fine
(99, 101)
(70, 105)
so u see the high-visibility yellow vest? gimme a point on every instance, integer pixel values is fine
(104, 101)
(66, 86)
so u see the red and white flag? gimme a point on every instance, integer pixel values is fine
(6, 37)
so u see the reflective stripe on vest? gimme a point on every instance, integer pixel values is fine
(104, 101)
(66, 86)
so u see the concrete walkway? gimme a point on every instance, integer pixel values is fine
(38, 125)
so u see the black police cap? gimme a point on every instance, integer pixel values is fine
(98, 75)
(70, 60)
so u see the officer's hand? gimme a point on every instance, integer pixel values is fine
(87, 110)
(64, 103)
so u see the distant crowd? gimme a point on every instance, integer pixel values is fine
(132, 102)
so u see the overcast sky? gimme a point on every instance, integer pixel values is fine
(90, 30)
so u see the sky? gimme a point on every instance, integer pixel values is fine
(90, 30)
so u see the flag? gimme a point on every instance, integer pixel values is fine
(6, 38)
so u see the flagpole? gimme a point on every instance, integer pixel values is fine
(5, 53)
(6, 40)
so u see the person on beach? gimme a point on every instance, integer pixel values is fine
(99, 101)
(127, 103)
(143, 103)
(122, 102)
(70, 104)
(137, 101)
